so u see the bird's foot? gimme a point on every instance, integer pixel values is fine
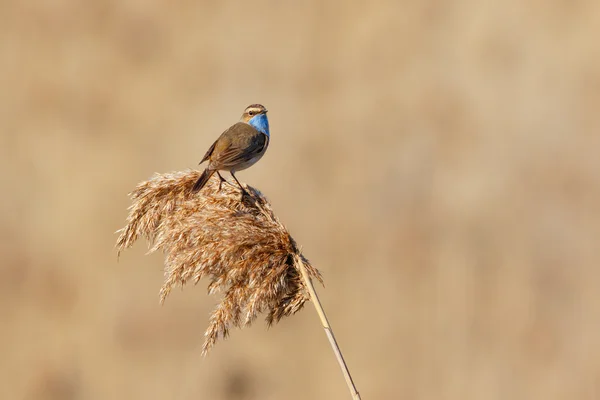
(221, 180)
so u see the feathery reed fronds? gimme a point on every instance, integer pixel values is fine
(236, 242)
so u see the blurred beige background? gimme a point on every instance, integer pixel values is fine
(438, 161)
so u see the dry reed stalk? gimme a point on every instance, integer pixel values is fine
(237, 242)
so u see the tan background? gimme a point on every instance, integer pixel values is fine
(438, 161)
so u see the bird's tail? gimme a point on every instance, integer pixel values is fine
(202, 180)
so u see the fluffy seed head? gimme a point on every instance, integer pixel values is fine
(237, 243)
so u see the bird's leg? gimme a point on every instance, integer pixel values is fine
(221, 180)
(238, 182)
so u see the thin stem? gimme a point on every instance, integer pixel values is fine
(328, 330)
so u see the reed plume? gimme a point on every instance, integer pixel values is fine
(236, 242)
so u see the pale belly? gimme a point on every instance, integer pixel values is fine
(247, 164)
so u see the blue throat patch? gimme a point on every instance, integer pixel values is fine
(260, 123)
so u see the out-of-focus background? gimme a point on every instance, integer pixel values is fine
(438, 161)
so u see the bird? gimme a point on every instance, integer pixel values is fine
(238, 148)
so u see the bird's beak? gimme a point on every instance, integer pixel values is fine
(266, 111)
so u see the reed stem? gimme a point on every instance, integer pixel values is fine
(328, 330)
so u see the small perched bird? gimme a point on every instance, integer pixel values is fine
(238, 148)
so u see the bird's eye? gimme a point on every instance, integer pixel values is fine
(251, 113)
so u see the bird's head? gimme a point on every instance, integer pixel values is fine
(256, 115)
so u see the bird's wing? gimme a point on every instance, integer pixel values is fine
(209, 152)
(238, 144)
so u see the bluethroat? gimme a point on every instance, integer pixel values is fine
(238, 148)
